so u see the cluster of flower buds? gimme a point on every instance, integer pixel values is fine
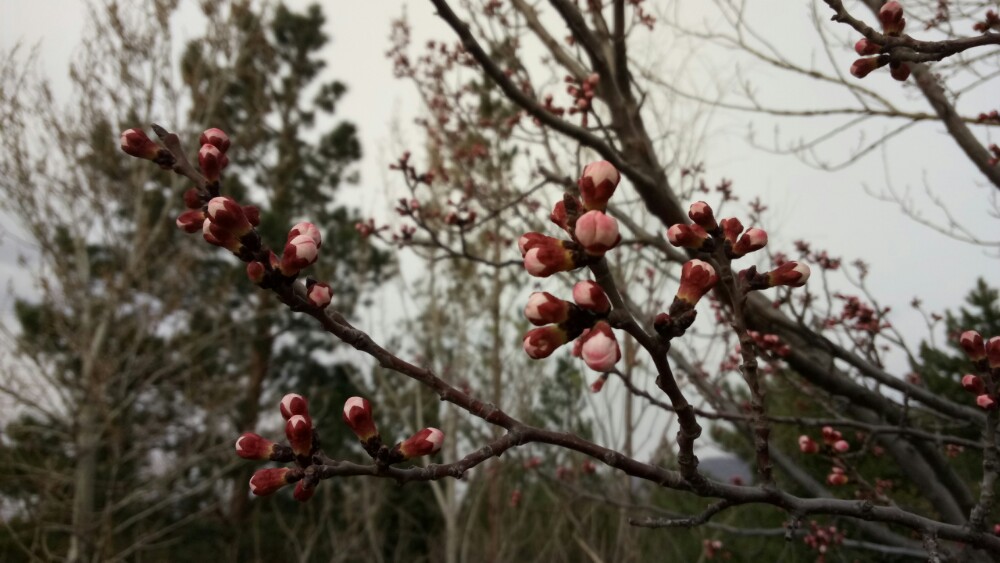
(584, 320)
(358, 417)
(713, 548)
(226, 222)
(583, 94)
(212, 157)
(837, 477)
(302, 445)
(893, 23)
(770, 343)
(593, 232)
(995, 150)
(821, 539)
(991, 21)
(992, 117)
(985, 356)
(832, 439)
(134, 142)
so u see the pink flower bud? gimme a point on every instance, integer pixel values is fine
(993, 352)
(841, 446)
(252, 446)
(226, 214)
(544, 308)
(541, 342)
(215, 234)
(973, 384)
(577, 350)
(215, 137)
(299, 253)
(303, 492)
(836, 477)
(293, 404)
(308, 229)
(135, 143)
(687, 236)
(192, 199)
(697, 279)
(255, 272)
(986, 402)
(358, 416)
(899, 71)
(891, 16)
(598, 184)
(701, 213)
(559, 215)
(191, 221)
(299, 432)
(597, 232)
(792, 274)
(268, 481)
(972, 342)
(731, 229)
(547, 258)
(863, 67)
(600, 349)
(424, 442)
(529, 241)
(588, 295)
(320, 295)
(864, 47)
(752, 240)
(807, 445)
(210, 161)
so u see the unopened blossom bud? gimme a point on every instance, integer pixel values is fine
(986, 402)
(541, 342)
(891, 16)
(589, 295)
(299, 432)
(308, 229)
(529, 241)
(972, 342)
(598, 184)
(899, 70)
(687, 236)
(544, 308)
(697, 279)
(597, 232)
(864, 47)
(191, 221)
(731, 229)
(255, 271)
(293, 404)
(973, 384)
(358, 417)
(577, 350)
(252, 213)
(215, 234)
(863, 67)
(701, 213)
(600, 349)
(268, 481)
(548, 257)
(807, 445)
(215, 137)
(559, 215)
(303, 491)
(193, 199)
(210, 161)
(253, 446)
(836, 477)
(424, 442)
(135, 143)
(752, 240)
(598, 384)
(299, 253)
(319, 294)
(993, 352)
(841, 446)
(792, 274)
(226, 214)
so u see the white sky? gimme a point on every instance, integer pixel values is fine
(830, 209)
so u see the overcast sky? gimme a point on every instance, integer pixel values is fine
(830, 209)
